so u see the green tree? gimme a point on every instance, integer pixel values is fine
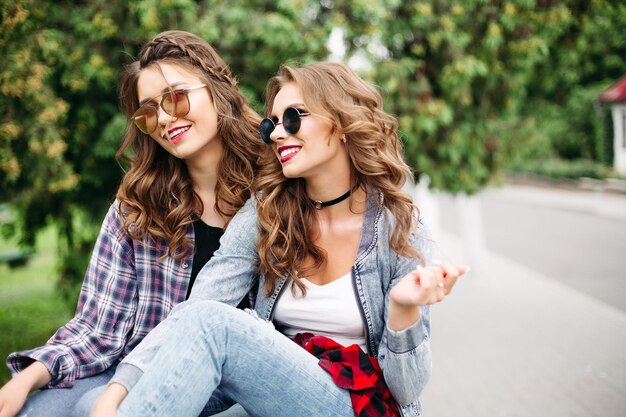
(586, 58)
(465, 78)
(456, 74)
(591, 48)
(60, 122)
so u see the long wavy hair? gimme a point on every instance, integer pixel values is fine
(156, 193)
(333, 92)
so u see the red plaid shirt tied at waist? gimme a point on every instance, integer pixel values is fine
(353, 370)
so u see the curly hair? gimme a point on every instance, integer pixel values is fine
(332, 92)
(156, 194)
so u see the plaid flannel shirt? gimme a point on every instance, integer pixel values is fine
(126, 292)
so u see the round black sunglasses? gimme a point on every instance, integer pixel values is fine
(291, 122)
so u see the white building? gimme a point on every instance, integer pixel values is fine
(615, 96)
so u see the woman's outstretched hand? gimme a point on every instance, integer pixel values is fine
(426, 285)
(423, 286)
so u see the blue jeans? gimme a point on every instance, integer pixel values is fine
(78, 400)
(217, 350)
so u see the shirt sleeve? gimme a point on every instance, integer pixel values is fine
(227, 278)
(405, 355)
(95, 338)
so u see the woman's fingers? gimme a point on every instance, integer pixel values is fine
(427, 285)
(450, 274)
(430, 282)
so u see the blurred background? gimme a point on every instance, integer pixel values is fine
(513, 115)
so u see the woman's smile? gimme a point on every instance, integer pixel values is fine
(288, 152)
(177, 134)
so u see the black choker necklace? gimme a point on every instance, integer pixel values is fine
(321, 204)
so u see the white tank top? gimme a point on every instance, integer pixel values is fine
(329, 310)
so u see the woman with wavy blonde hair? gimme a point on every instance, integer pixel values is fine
(191, 143)
(344, 272)
(362, 133)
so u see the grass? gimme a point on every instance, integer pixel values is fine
(30, 310)
(561, 169)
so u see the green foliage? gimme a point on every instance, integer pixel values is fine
(575, 128)
(590, 49)
(456, 74)
(584, 60)
(60, 125)
(469, 80)
(560, 169)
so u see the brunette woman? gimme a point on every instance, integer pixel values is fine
(191, 143)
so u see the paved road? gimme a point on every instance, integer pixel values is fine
(575, 237)
(512, 341)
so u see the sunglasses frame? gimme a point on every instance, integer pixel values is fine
(265, 136)
(184, 91)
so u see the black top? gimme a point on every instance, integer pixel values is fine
(207, 242)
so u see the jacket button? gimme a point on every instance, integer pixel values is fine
(185, 265)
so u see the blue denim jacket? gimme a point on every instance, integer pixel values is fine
(404, 356)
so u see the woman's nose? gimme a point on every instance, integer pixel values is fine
(279, 132)
(163, 118)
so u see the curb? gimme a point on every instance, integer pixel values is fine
(609, 185)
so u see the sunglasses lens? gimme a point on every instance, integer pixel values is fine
(266, 129)
(176, 103)
(291, 120)
(145, 119)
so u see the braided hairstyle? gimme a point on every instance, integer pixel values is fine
(174, 45)
(156, 193)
